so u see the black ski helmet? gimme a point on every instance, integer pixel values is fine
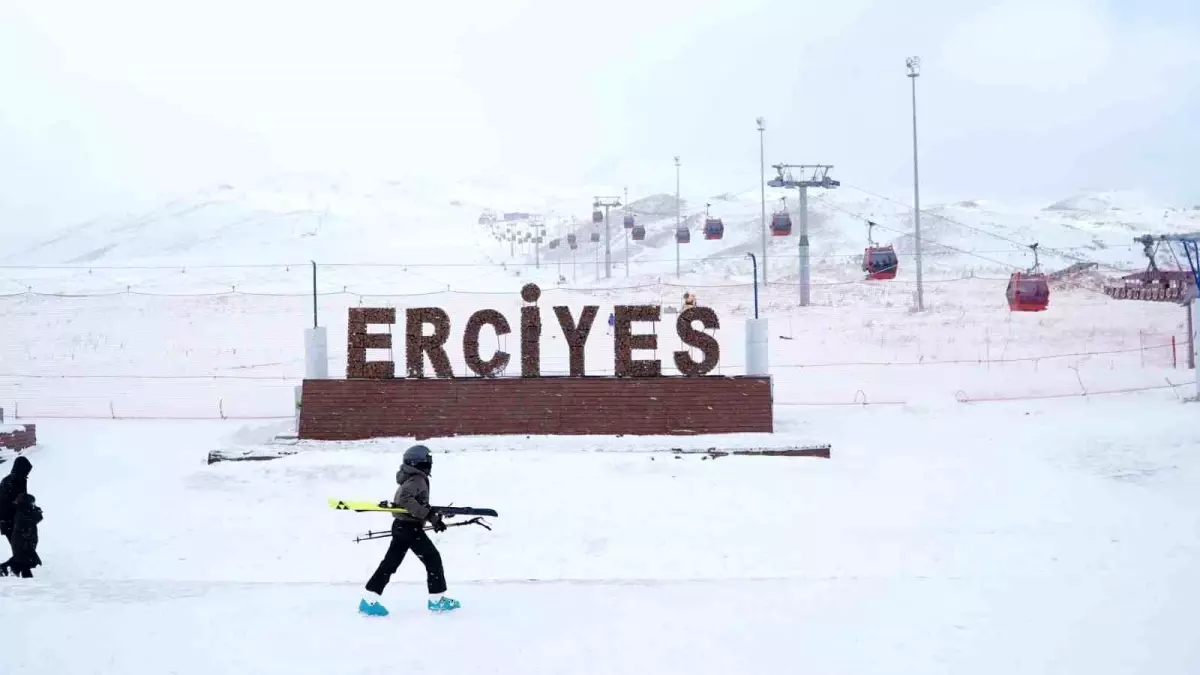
(419, 457)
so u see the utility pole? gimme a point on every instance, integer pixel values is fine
(819, 178)
(762, 169)
(626, 234)
(538, 228)
(914, 71)
(1191, 249)
(606, 202)
(677, 214)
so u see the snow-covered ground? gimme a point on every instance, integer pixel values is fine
(1032, 537)
(979, 513)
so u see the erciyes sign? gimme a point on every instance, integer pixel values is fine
(417, 345)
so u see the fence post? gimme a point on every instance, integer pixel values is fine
(1191, 338)
(1174, 358)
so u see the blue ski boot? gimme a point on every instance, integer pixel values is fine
(443, 604)
(372, 608)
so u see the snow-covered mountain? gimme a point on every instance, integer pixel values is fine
(409, 221)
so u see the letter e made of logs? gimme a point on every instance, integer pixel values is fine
(624, 341)
(358, 341)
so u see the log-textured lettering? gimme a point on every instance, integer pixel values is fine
(576, 335)
(358, 341)
(531, 333)
(625, 341)
(706, 343)
(417, 344)
(499, 361)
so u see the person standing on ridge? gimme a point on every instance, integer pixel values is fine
(12, 486)
(408, 532)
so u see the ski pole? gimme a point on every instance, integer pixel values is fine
(384, 535)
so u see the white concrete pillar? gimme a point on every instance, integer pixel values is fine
(299, 389)
(316, 354)
(1196, 343)
(756, 347)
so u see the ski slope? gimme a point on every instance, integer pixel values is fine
(979, 514)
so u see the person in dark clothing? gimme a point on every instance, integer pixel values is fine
(12, 486)
(24, 538)
(408, 533)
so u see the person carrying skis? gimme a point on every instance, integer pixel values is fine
(408, 532)
(12, 486)
(24, 538)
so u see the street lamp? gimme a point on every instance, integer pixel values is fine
(762, 169)
(914, 71)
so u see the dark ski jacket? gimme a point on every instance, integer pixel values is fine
(412, 495)
(12, 486)
(25, 533)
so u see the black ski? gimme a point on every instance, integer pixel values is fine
(465, 511)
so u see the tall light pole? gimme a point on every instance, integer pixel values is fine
(677, 214)
(607, 202)
(914, 71)
(762, 169)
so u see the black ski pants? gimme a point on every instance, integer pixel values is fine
(407, 536)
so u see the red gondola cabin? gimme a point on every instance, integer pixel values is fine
(638, 233)
(880, 262)
(1028, 292)
(781, 224)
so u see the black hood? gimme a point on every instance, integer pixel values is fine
(21, 466)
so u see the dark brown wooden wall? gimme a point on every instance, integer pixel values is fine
(430, 408)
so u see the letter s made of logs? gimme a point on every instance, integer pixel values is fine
(693, 338)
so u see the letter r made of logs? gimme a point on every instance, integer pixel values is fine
(417, 344)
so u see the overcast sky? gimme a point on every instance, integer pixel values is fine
(106, 103)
